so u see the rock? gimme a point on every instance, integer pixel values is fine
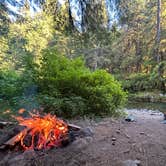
(164, 115)
(142, 133)
(113, 143)
(113, 139)
(130, 118)
(152, 114)
(126, 151)
(131, 163)
(83, 132)
(118, 131)
(163, 122)
(87, 132)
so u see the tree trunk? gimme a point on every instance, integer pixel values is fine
(158, 32)
(71, 22)
(138, 53)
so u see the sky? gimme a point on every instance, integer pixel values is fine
(110, 4)
(14, 5)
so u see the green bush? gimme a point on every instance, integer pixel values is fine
(137, 82)
(70, 89)
(146, 82)
(17, 88)
(158, 76)
(65, 106)
(9, 84)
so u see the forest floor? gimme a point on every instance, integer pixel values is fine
(115, 142)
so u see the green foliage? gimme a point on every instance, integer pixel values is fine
(25, 36)
(9, 84)
(158, 76)
(70, 89)
(16, 87)
(137, 82)
(142, 81)
(4, 19)
(69, 107)
(67, 86)
(152, 96)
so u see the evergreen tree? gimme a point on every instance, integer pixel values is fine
(4, 19)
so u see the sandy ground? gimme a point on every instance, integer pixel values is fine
(114, 141)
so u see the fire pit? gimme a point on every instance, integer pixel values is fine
(42, 132)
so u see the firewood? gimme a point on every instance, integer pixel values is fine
(2, 147)
(3, 124)
(16, 138)
(74, 127)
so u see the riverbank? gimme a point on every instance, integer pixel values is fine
(152, 97)
(155, 106)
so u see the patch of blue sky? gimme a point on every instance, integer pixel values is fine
(112, 12)
(15, 5)
(62, 1)
(76, 13)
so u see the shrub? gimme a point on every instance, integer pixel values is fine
(158, 76)
(9, 84)
(17, 88)
(146, 82)
(137, 82)
(71, 89)
(66, 106)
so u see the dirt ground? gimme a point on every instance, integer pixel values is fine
(114, 141)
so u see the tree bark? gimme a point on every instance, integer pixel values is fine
(138, 53)
(71, 22)
(158, 32)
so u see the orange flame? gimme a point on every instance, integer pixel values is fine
(42, 132)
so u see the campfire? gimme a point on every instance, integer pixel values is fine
(41, 132)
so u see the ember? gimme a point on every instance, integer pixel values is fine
(41, 132)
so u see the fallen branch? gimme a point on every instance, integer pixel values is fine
(7, 123)
(74, 127)
(3, 124)
(16, 138)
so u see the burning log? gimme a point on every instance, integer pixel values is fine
(41, 132)
(45, 131)
(15, 139)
